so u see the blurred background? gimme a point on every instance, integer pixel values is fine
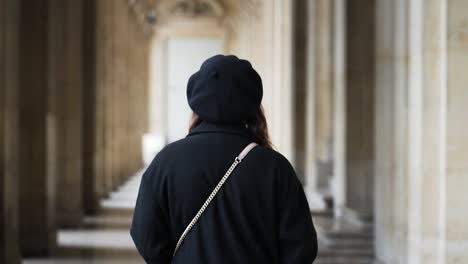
(367, 98)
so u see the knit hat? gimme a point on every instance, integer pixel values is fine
(226, 89)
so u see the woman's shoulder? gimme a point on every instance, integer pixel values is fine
(273, 155)
(166, 156)
(174, 148)
(180, 148)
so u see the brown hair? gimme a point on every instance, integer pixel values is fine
(257, 127)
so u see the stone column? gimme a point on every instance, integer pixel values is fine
(135, 68)
(411, 116)
(427, 129)
(279, 105)
(118, 103)
(9, 243)
(300, 87)
(93, 108)
(65, 20)
(37, 134)
(122, 74)
(127, 148)
(323, 91)
(421, 154)
(360, 22)
(133, 91)
(454, 187)
(106, 9)
(310, 180)
(391, 128)
(338, 185)
(114, 89)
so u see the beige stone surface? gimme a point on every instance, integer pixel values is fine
(390, 133)
(323, 78)
(457, 130)
(432, 229)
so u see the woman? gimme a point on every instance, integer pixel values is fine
(259, 215)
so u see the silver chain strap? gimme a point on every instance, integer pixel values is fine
(237, 160)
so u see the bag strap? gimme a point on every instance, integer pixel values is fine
(237, 160)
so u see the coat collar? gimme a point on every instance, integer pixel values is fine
(208, 127)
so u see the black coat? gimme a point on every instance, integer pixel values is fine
(260, 215)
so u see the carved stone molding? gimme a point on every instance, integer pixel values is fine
(144, 14)
(189, 9)
(151, 13)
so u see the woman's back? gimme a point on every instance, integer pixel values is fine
(260, 215)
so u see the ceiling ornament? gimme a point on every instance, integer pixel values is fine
(168, 9)
(144, 13)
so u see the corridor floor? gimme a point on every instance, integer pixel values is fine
(105, 239)
(102, 239)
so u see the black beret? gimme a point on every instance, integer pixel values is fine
(226, 89)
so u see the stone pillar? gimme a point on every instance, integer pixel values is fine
(456, 203)
(310, 180)
(411, 127)
(93, 109)
(126, 148)
(9, 243)
(338, 185)
(120, 54)
(133, 90)
(118, 104)
(421, 154)
(106, 10)
(279, 99)
(37, 127)
(427, 129)
(114, 92)
(65, 20)
(360, 21)
(300, 88)
(323, 92)
(391, 128)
